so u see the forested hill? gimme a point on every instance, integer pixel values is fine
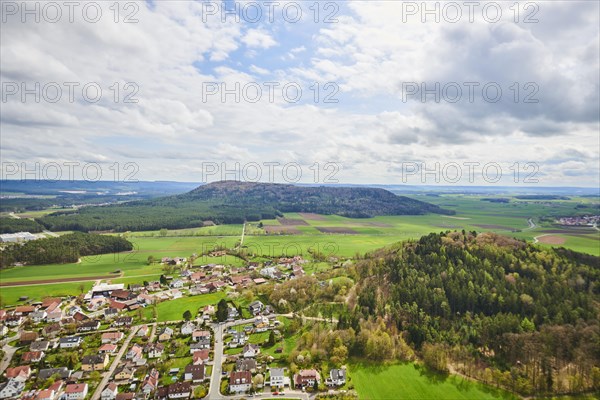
(236, 202)
(356, 202)
(499, 309)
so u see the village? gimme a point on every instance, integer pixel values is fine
(99, 346)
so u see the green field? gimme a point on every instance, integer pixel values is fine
(10, 295)
(409, 381)
(173, 310)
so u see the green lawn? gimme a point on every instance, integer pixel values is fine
(173, 310)
(10, 295)
(409, 381)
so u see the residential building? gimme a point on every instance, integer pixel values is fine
(123, 321)
(251, 351)
(11, 389)
(188, 328)
(13, 320)
(306, 377)
(195, 373)
(238, 339)
(165, 334)
(277, 377)
(200, 356)
(38, 316)
(240, 381)
(124, 373)
(245, 364)
(108, 348)
(46, 394)
(337, 377)
(88, 326)
(20, 373)
(32, 356)
(135, 353)
(150, 382)
(198, 336)
(179, 390)
(62, 372)
(51, 330)
(110, 392)
(143, 331)
(40, 345)
(112, 337)
(70, 342)
(76, 391)
(155, 350)
(27, 338)
(96, 362)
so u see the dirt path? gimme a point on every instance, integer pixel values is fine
(536, 238)
(531, 224)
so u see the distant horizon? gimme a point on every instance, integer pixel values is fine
(416, 185)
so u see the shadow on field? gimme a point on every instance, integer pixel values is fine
(432, 377)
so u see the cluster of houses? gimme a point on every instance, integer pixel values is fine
(156, 352)
(41, 330)
(56, 325)
(583, 220)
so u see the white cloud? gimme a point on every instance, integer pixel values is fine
(258, 38)
(171, 53)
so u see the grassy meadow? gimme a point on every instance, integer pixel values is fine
(410, 381)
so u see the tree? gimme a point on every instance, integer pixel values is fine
(163, 280)
(163, 232)
(187, 315)
(258, 380)
(95, 376)
(271, 341)
(435, 357)
(151, 260)
(221, 312)
(527, 325)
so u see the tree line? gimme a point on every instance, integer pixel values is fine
(62, 249)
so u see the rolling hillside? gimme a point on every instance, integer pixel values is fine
(235, 202)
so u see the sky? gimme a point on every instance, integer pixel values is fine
(386, 92)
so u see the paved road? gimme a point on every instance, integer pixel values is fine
(9, 352)
(114, 364)
(214, 393)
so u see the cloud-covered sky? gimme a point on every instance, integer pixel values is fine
(368, 91)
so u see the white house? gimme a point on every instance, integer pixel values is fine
(38, 316)
(277, 377)
(11, 389)
(188, 328)
(240, 381)
(239, 338)
(251, 351)
(177, 284)
(337, 377)
(76, 391)
(70, 342)
(110, 392)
